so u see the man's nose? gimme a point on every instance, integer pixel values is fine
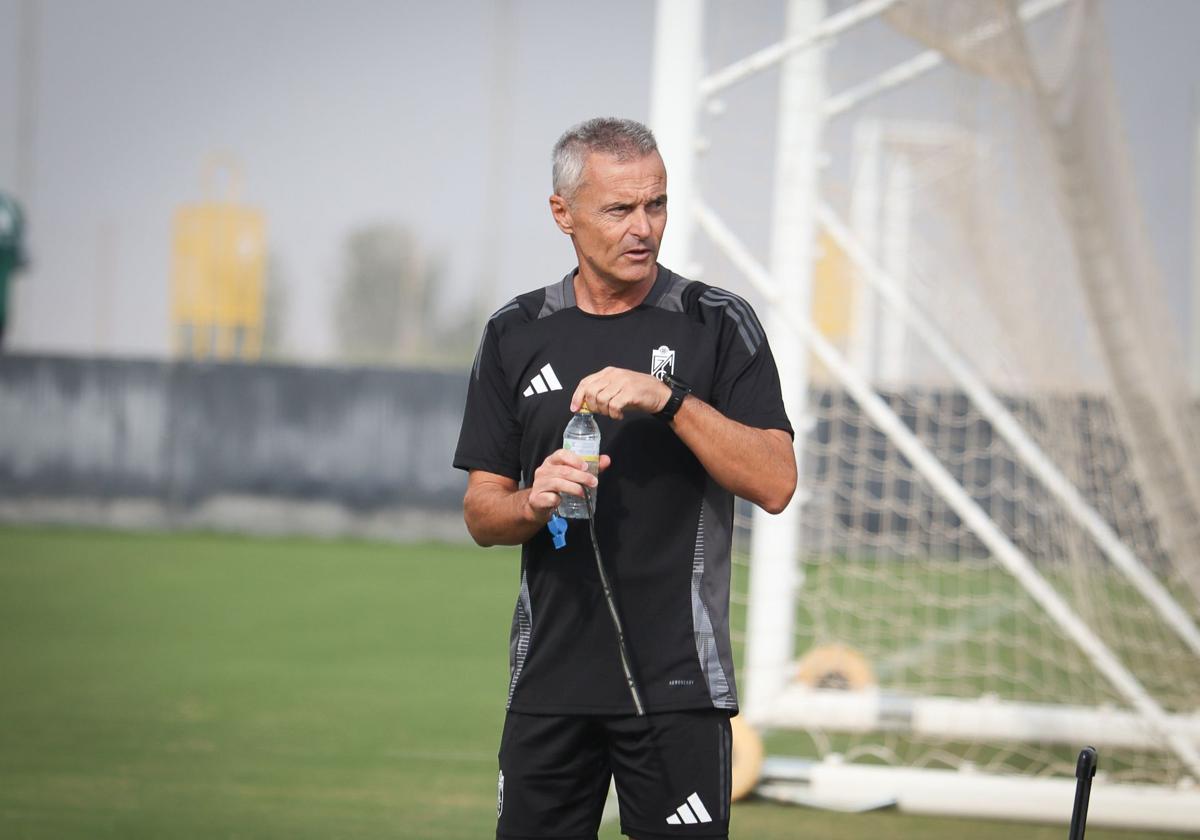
(639, 223)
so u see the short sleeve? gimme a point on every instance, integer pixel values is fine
(746, 386)
(490, 437)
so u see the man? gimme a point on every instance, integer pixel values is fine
(687, 397)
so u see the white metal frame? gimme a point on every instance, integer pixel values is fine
(986, 717)
(786, 285)
(1194, 326)
(849, 786)
(774, 574)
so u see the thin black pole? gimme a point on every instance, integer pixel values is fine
(1085, 769)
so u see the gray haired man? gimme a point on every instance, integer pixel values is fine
(687, 396)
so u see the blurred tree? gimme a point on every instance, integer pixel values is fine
(383, 304)
(12, 254)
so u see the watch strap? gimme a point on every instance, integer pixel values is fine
(679, 391)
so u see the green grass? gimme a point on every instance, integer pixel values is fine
(199, 686)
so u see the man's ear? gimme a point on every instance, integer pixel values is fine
(561, 211)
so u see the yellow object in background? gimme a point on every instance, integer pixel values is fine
(834, 287)
(218, 278)
(833, 290)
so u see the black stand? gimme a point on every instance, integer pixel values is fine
(1085, 769)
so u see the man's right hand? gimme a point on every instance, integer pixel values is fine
(561, 472)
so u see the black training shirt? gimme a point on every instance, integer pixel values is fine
(664, 527)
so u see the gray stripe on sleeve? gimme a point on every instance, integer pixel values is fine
(742, 315)
(508, 307)
(730, 310)
(743, 308)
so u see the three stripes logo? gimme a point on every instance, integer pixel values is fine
(543, 382)
(690, 812)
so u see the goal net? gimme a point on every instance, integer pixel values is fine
(984, 273)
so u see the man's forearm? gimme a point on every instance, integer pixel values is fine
(497, 515)
(756, 464)
(497, 512)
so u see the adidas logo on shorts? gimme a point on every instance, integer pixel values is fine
(690, 812)
(543, 382)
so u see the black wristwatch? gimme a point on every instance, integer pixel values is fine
(679, 390)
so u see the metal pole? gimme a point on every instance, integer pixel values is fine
(27, 75)
(1195, 325)
(894, 369)
(499, 147)
(674, 115)
(775, 570)
(864, 214)
(21, 298)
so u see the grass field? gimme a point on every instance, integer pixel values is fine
(197, 686)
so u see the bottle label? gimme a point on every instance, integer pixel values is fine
(588, 450)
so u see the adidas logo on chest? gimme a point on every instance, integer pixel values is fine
(545, 380)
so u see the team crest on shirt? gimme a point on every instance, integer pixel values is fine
(662, 361)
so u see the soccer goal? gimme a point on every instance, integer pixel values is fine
(993, 558)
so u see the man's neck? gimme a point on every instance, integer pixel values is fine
(597, 295)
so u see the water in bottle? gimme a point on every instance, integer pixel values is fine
(583, 438)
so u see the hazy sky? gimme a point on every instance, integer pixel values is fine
(346, 113)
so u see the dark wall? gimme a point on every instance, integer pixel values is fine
(183, 433)
(367, 452)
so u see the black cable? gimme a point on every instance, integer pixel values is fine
(634, 692)
(626, 665)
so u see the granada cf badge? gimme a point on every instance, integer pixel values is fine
(662, 361)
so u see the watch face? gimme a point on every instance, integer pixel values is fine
(676, 382)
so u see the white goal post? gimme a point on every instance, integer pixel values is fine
(991, 557)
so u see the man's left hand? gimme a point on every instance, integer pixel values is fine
(613, 391)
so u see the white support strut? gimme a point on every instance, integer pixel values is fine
(1126, 684)
(674, 117)
(775, 573)
(770, 56)
(1008, 428)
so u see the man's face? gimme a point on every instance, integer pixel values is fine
(617, 216)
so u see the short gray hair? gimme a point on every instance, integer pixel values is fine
(623, 139)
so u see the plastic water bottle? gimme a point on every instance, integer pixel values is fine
(583, 438)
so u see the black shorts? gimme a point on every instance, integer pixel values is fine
(672, 772)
